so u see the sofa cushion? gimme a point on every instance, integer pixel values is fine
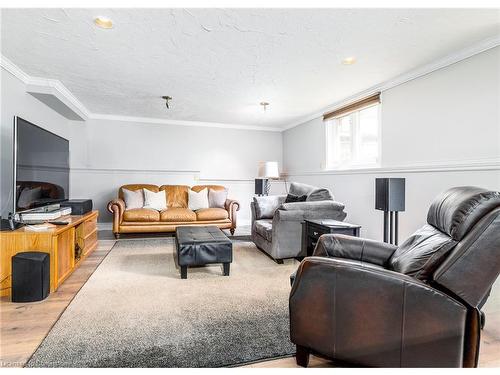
(422, 253)
(267, 205)
(295, 198)
(177, 195)
(198, 200)
(141, 214)
(177, 214)
(313, 193)
(217, 198)
(207, 214)
(199, 188)
(133, 198)
(155, 201)
(264, 227)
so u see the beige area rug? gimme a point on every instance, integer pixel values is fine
(135, 311)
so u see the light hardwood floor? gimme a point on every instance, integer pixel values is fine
(24, 326)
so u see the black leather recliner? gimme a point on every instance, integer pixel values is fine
(416, 305)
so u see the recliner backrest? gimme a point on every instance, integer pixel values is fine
(473, 265)
(459, 248)
(471, 216)
(457, 210)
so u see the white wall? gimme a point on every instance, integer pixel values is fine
(438, 131)
(108, 154)
(447, 120)
(15, 101)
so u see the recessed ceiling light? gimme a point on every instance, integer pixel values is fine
(104, 22)
(348, 60)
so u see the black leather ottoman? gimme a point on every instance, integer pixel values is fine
(197, 246)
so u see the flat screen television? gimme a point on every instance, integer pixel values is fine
(41, 166)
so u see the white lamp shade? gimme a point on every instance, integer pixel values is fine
(268, 169)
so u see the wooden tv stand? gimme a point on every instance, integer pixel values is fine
(60, 242)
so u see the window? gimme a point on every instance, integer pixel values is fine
(352, 138)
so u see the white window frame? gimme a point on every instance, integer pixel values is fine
(330, 125)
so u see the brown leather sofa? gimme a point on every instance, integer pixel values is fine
(416, 305)
(145, 220)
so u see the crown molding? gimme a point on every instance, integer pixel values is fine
(155, 120)
(54, 87)
(14, 69)
(46, 86)
(37, 86)
(418, 72)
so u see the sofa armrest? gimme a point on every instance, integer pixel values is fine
(371, 316)
(355, 248)
(231, 207)
(320, 212)
(117, 208)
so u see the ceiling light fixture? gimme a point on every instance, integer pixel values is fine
(103, 22)
(264, 105)
(167, 98)
(348, 60)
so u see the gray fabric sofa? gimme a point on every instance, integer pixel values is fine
(277, 226)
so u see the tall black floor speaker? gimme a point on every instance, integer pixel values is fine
(390, 198)
(30, 276)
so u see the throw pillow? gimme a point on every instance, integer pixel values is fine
(133, 199)
(217, 198)
(296, 188)
(295, 198)
(320, 194)
(313, 193)
(422, 253)
(267, 205)
(197, 201)
(155, 201)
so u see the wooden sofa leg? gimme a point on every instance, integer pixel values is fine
(302, 356)
(232, 231)
(117, 236)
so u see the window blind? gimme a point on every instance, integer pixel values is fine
(370, 100)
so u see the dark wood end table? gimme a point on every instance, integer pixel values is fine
(313, 229)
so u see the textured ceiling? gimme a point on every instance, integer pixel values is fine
(219, 64)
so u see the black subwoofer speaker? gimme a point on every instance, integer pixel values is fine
(390, 194)
(30, 276)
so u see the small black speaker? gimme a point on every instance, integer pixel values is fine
(390, 194)
(30, 276)
(78, 206)
(260, 186)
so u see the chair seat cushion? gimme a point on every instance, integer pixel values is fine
(141, 214)
(422, 253)
(264, 227)
(207, 214)
(177, 214)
